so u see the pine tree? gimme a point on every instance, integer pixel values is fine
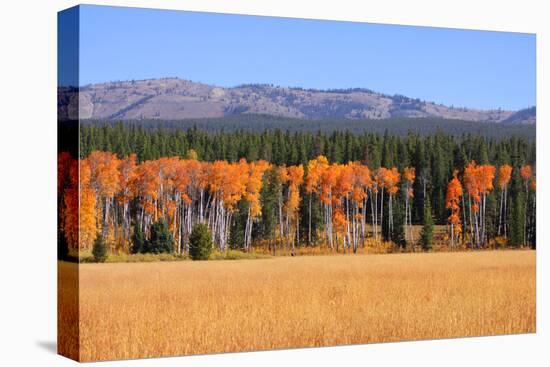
(421, 181)
(269, 198)
(138, 241)
(426, 235)
(161, 239)
(99, 250)
(491, 219)
(516, 214)
(483, 155)
(315, 217)
(439, 177)
(200, 242)
(236, 235)
(532, 238)
(398, 228)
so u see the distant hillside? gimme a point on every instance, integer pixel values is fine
(175, 99)
(525, 116)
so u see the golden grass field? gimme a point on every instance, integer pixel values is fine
(176, 308)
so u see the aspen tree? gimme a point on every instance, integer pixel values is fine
(452, 202)
(409, 174)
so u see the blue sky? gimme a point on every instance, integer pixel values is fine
(455, 67)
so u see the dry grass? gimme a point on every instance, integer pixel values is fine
(163, 309)
(371, 246)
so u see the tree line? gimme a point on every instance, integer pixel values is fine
(254, 123)
(434, 157)
(366, 187)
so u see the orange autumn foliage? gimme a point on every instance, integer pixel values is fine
(315, 169)
(254, 185)
(389, 178)
(118, 194)
(295, 177)
(526, 172)
(504, 175)
(452, 199)
(409, 173)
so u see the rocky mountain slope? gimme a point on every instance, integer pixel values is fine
(173, 98)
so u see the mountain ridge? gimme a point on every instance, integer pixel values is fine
(174, 98)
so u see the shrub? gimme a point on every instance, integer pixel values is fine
(200, 242)
(99, 251)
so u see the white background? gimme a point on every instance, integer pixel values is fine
(28, 182)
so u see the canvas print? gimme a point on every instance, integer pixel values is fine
(233, 183)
